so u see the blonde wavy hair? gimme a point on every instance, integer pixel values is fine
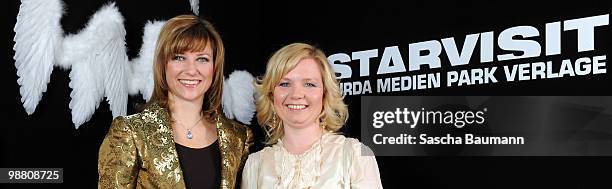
(181, 34)
(334, 113)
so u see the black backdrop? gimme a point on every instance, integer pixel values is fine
(253, 30)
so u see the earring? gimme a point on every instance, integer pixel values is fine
(322, 125)
(273, 119)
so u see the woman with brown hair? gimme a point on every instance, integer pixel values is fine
(181, 139)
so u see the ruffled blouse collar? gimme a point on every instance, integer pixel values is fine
(299, 170)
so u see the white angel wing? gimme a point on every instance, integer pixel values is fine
(38, 34)
(238, 99)
(99, 62)
(96, 55)
(141, 68)
(195, 6)
(87, 90)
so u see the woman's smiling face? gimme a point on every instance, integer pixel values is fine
(190, 74)
(298, 97)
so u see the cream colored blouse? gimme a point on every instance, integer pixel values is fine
(332, 162)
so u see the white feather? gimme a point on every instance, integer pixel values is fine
(195, 6)
(238, 96)
(38, 34)
(99, 62)
(141, 77)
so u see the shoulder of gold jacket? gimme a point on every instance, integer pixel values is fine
(237, 130)
(234, 142)
(139, 151)
(143, 144)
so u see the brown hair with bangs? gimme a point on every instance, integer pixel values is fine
(188, 33)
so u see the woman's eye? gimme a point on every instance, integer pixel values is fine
(284, 84)
(178, 58)
(310, 85)
(203, 59)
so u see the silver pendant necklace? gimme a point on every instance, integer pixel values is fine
(189, 134)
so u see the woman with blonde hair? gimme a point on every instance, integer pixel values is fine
(300, 107)
(181, 139)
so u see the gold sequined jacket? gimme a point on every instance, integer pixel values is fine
(139, 152)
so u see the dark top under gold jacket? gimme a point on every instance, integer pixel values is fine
(139, 152)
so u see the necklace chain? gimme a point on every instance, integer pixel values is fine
(189, 134)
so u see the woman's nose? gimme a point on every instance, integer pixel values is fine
(191, 67)
(297, 92)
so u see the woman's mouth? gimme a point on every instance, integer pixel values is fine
(189, 82)
(296, 106)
